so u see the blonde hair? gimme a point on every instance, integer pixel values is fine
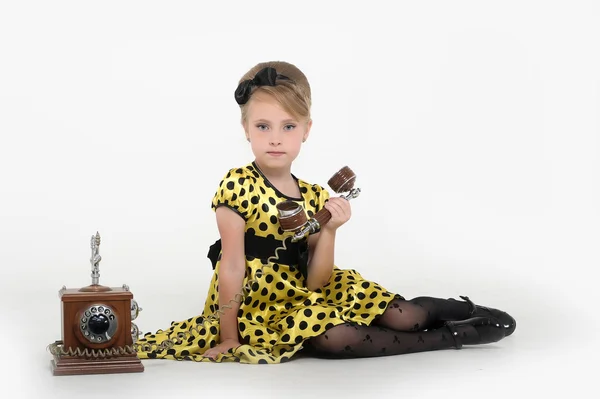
(293, 95)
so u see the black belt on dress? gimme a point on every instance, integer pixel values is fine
(295, 254)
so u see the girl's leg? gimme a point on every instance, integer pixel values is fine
(351, 341)
(421, 313)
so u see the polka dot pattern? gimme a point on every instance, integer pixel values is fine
(280, 313)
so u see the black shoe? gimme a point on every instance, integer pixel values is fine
(488, 330)
(506, 320)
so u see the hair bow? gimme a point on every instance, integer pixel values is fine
(265, 77)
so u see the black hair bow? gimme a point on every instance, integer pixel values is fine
(264, 77)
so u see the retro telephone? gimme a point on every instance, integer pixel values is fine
(98, 333)
(97, 328)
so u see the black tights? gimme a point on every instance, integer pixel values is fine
(400, 329)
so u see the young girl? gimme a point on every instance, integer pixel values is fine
(296, 298)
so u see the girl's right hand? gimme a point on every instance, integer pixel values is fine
(221, 348)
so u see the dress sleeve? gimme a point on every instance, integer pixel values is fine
(233, 192)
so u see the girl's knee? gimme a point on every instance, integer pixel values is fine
(337, 338)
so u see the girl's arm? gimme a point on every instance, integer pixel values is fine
(321, 249)
(232, 268)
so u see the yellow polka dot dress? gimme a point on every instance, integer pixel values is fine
(279, 313)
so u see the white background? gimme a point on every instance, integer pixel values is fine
(473, 128)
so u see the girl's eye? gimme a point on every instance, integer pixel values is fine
(263, 127)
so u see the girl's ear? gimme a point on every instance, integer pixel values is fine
(308, 126)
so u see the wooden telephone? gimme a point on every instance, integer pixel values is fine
(97, 329)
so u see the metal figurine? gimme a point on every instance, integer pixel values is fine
(95, 259)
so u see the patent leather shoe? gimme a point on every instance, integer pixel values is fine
(507, 321)
(488, 329)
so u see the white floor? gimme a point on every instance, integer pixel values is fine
(552, 353)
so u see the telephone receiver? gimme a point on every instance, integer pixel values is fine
(292, 217)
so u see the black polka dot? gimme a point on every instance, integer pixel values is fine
(230, 185)
(316, 327)
(274, 219)
(254, 199)
(382, 305)
(366, 285)
(279, 285)
(285, 337)
(263, 226)
(272, 201)
(321, 315)
(373, 294)
(303, 325)
(307, 312)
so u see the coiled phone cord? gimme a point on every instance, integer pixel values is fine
(57, 348)
(342, 181)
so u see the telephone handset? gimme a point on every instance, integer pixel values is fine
(98, 335)
(291, 217)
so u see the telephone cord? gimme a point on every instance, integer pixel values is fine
(57, 348)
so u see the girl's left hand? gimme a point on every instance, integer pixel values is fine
(340, 212)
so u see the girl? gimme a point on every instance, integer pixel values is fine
(296, 298)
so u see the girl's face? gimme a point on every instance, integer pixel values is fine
(275, 135)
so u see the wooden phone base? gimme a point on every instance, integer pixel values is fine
(76, 366)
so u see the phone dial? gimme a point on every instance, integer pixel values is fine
(98, 333)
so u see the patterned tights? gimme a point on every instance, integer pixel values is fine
(397, 331)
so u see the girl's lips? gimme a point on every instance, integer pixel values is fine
(275, 153)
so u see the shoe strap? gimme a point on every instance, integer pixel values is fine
(452, 328)
(472, 307)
